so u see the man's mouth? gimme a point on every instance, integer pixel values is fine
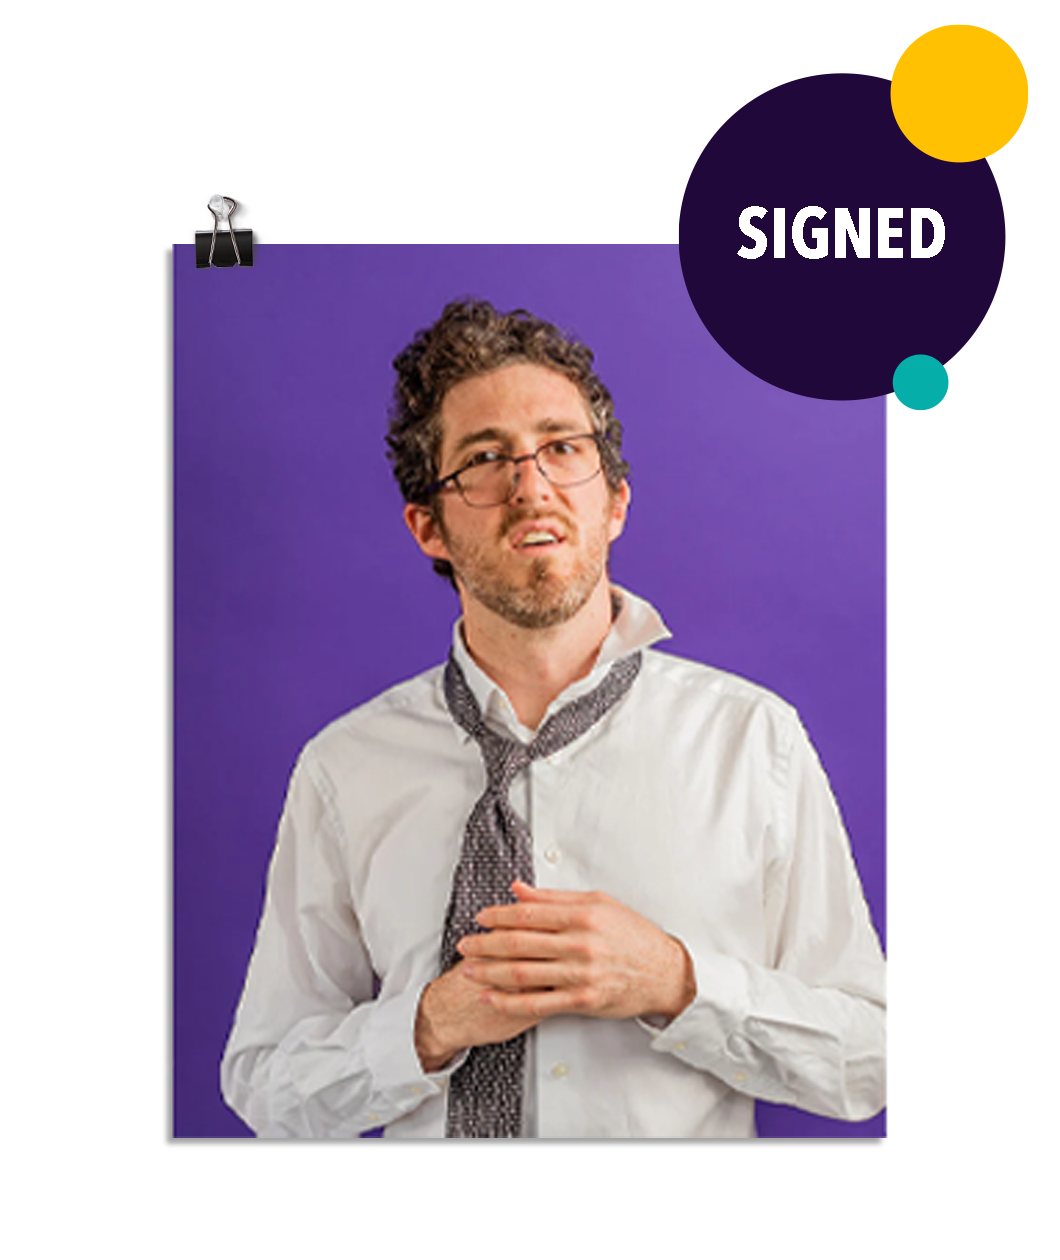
(536, 535)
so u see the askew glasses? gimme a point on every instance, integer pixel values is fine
(489, 478)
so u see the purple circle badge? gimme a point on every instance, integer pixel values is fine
(821, 249)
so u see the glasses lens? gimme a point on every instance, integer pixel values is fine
(487, 484)
(568, 461)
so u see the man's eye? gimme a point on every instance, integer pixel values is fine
(482, 458)
(563, 447)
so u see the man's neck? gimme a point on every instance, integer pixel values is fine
(533, 667)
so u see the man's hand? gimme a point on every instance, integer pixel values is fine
(453, 1015)
(574, 953)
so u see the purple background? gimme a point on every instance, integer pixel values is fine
(757, 529)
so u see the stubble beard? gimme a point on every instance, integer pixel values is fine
(544, 596)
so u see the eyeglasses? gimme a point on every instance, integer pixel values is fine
(489, 478)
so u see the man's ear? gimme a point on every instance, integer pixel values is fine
(620, 500)
(424, 527)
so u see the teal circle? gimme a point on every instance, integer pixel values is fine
(920, 382)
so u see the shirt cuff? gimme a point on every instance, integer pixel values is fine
(710, 1033)
(390, 1053)
(705, 1027)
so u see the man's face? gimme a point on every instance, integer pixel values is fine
(536, 560)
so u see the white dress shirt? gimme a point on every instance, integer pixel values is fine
(698, 801)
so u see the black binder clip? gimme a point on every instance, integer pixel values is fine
(234, 250)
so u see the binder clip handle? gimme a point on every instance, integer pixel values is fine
(222, 209)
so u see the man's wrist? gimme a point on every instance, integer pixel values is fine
(682, 991)
(431, 1048)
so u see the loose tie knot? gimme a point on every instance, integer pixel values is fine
(504, 758)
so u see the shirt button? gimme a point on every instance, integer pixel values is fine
(372, 1117)
(680, 1045)
(739, 1077)
(553, 855)
(560, 1070)
(415, 1091)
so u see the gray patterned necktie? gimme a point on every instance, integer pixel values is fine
(486, 1091)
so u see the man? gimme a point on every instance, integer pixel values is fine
(565, 885)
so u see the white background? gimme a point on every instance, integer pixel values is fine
(488, 122)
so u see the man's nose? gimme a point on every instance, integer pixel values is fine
(531, 485)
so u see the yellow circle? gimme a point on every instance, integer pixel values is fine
(959, 93)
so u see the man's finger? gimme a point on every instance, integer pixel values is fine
(534, 916)
(537, 1005)
(521, 975)
(555, 896)
(516, 943)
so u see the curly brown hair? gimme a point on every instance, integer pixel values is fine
(471, 338)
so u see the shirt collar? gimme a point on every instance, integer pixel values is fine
(637, 625)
